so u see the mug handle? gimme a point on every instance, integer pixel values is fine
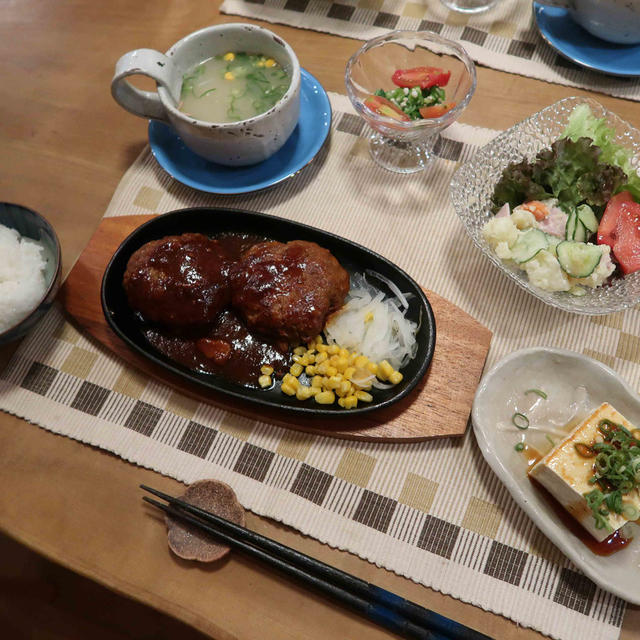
(147, 62)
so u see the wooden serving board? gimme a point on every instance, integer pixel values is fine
(439, 406)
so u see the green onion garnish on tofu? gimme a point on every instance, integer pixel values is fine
(538, 392)
(616, 471)
(584, 450)
(520, 420)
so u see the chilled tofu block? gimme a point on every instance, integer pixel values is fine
(565, 473)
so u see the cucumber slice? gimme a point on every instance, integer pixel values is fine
(570, 229)
(553, 242)
(528, 245)
(580, 234)
(577, 259)
(588, 218)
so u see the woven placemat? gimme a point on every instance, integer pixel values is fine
(432, 511)
(504, 38)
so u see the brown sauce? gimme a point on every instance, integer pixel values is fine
(227, 347)
(615, 542)
(239, 354)
(533, 456)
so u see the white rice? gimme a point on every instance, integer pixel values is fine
(22, 282)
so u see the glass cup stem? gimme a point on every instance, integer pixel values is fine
(401, 156)
(468, 6)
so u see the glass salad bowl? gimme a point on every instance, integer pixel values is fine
(405, 146)
(473, 183)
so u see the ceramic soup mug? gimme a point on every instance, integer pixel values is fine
(612, 20)
(230, 143)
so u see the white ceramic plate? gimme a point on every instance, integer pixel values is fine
(618, 573)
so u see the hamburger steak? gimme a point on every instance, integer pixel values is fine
(288, 290)
(178, 281)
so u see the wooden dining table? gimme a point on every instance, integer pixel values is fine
(64, 146)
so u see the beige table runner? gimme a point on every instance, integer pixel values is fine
(433, 511)
(504, 38)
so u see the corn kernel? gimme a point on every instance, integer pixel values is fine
(333, 382)
(352, 358)
(311, 345)
(314, 391)
(318, 339)
(292, 381)
(349, 402)
(288, 389)
(384, 370)
(364, 396)
(368, 317)
(333, 349)
(325, 397)
(296, 369)
(345, 388)
(322, 368)
(343, 353)
(333, 360)
(303, 393)
(331, 371)
(361, 361)
(299, 351)
(348, 372)
(229, 56)
(270, 62)
(321, 357)
(310, 370)
(372, 367)
(341, 364)
(341, 402)
(266, 370)
(395, 377)
(311, 357)
(316, 381)
(228, 75)
(264, 381)
(322, 348)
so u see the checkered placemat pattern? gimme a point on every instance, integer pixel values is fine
(431, 511)
(505, 37)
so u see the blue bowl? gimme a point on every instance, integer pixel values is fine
(32, 225)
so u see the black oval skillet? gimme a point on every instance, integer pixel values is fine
(211, 221)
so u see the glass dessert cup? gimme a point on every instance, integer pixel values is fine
(407, 147)
(469, 6)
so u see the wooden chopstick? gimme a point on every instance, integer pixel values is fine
(402, 616)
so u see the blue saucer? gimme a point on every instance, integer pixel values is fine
(572, 41)
(301, 147)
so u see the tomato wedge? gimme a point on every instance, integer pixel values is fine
(423, 77)
(436, 110)
(627, 246)
(384, 107)
(608, 227)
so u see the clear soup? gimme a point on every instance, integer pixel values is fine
(232, 87)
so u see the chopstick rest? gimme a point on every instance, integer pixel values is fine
(402, 616)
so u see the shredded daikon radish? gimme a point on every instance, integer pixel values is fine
(392, 286)
(374, 325)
